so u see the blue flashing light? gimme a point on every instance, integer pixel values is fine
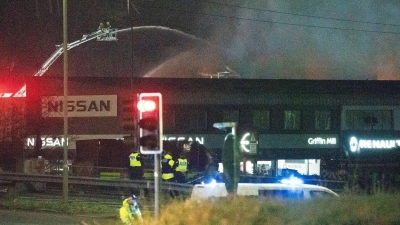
(212, 182)
(292, 180)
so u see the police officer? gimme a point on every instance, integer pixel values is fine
(168, 168)
(129, 213)
(135, 165)
(181, 168)
(167, 172)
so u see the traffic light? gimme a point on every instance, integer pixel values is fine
(150, 123)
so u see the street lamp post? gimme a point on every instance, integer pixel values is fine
(65, 100)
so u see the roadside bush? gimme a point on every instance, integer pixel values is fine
(348, 210)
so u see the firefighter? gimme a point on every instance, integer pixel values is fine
(108, 26)
(130, 213)
(135, 166)
(108, 30)
(101, 27)
(181, 168)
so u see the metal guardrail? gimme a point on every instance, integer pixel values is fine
(139, 184)
(21, 177)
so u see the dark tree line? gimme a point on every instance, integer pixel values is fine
(12, 132)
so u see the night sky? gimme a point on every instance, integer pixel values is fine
(303, 39)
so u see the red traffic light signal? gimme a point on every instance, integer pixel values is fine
(147, 105)
(150, 123)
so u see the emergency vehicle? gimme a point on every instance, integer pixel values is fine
(284, 190)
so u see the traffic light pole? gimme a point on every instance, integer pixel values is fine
(150, 126)
(156, 183)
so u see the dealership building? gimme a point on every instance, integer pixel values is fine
(317, 127)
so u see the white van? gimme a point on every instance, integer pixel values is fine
(272, 190)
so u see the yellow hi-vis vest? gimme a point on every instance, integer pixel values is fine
(182, 165)
(133, 160)
(167, 167)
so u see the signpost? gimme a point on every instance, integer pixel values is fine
(230, 156)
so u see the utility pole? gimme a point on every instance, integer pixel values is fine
(127, 6)
(65, 101)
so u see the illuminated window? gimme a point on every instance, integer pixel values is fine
(292, 120)
(261, 119)
(298, 167)
(323, 120)
(295, 161)
(369, 119)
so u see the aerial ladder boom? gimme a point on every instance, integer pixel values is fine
(99, 35)
(104, 35)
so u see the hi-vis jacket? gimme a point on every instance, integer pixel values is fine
(182, 165)
(167, 167)
(134, 159)
(130, 213)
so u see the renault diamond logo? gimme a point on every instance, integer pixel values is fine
(353, 144)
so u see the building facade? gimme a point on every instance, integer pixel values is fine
(312, 126)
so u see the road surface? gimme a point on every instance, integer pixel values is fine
(15, 217)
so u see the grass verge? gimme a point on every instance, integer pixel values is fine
(381, 209)
(57, 206)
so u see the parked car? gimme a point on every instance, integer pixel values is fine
(268, 190)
